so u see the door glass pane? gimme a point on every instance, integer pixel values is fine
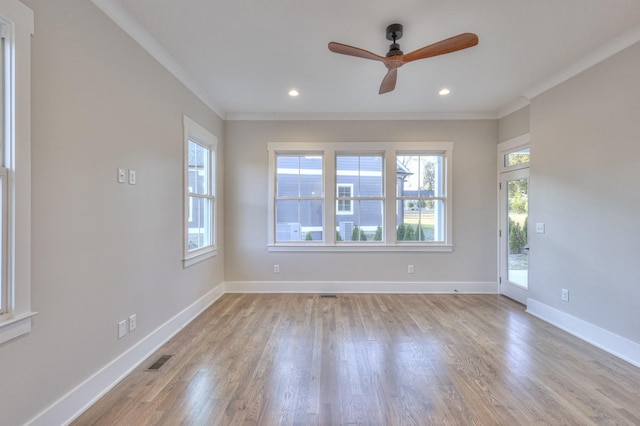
(518, 210)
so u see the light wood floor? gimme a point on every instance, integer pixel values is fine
(374, 360)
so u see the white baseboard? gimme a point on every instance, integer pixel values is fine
(614, 344)
(360, 287)
(74, 403)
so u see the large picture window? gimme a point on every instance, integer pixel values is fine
(200, 160)
(357, 196)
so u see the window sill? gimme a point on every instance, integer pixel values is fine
(360, 248)
(199, 257)
(15, 327)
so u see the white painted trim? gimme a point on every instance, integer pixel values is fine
(390, 287)
(130, 26)
(514, 143)
(604, 52)
(614, 344)
(74, 403)
(357, 116)
(359, 247)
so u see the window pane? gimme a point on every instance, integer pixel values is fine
(363, 173)
(364, 224)
(517, 157)
(310, 176)
(298, 220)
(420, 176)
(198, 168)
(299, 176)
(200, 224)
(421, 220)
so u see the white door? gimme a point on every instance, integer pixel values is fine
(514, 238)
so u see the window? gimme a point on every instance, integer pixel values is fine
(200, 158)
(16, 28)
(299, 197)
(359, 201)
(341, 197)
(344, 204)
(421, 197)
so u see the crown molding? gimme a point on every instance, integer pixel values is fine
(352, 116)
(604, 52)
(151, 45)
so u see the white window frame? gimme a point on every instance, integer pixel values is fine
(513, 145)
(17, 28)
(389, 151)
(198, 134)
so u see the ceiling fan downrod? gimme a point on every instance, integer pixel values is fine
(394, 32)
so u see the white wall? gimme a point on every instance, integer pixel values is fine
(585, 180)
(474, 205)
(100, 250)
(514, 124)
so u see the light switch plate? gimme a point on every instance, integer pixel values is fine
(122, 329)
(132, 177)
(121, 176)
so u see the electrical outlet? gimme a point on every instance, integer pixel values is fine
(122, 329)
(276, 269)
(539, 228)
(410, 269)
(133, 319)
(132, 177)
(565, 295)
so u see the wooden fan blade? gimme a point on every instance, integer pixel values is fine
(389, 81)
(453, 44)
(345, 49)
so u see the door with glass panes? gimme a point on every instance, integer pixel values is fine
(514, 234)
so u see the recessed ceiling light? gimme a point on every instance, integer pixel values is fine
(293, 93)
(444, 92)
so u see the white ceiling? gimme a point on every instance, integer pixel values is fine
(243, 56)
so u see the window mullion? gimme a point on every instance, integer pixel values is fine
(330, 185)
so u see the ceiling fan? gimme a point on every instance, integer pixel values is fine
(396, 58)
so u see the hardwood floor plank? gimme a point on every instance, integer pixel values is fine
(299, 359)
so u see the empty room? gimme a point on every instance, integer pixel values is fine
(319, 213)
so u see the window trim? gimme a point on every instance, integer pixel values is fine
(513, 145)
(198, 134)
(389, 149)
(19, 25)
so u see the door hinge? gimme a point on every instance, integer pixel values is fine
(500, 280)
(500, 185)
(500, 233)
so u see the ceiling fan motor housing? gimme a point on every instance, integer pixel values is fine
(394, 32)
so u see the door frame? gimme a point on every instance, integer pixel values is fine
(506, 288)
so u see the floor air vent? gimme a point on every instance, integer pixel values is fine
(159, 363)
(329, 296)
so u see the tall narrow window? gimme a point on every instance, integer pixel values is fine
(359, 197)
(4, 278)
(200, 160)
(421, 198)
(299, 204)
(16, 29)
